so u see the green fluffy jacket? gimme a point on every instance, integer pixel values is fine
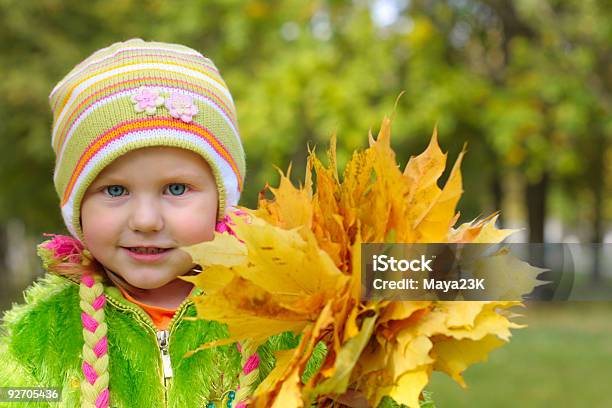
(41, 346)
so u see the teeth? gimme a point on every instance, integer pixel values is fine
(140, 250)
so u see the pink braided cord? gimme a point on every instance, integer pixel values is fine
(99, 302)
(251, 364)
(103, 399)
(88, 280)
(90, 373)
(64, 247)
(101, 348)
(89, 322)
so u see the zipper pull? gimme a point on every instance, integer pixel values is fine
(162, 342)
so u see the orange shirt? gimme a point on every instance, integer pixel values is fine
(160, 316)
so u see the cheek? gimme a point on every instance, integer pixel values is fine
(98, 225)
(195, 223)
(193, 228)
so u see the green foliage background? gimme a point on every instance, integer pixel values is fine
(526, 84)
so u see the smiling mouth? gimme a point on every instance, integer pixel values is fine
(143, 250)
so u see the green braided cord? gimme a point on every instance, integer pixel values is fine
(88, 295)
(246, 382)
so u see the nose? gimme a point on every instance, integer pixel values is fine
(145, 215)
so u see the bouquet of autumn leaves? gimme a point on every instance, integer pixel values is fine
(294, 265)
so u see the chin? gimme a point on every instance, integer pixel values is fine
(152, 282)
(150, 285)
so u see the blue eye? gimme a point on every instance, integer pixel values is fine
(177, 189)
(115, 191)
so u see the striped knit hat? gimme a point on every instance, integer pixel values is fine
(137, 94)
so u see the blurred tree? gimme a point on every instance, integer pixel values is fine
(546, 66)
(527, 84)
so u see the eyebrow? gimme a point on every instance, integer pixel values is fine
(182, 175)
(112, 179)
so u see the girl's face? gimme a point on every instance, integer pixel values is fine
(143, 207)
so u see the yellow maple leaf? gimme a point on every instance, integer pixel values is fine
(433, 225)
(291, 207)
(480, 232)
(453, 356)
(224, 249)
(338, 380)
(513, 277)
(409, 386)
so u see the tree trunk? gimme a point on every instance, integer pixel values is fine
(513, 27)
(498, 194)
(535, 195)
(298, 157)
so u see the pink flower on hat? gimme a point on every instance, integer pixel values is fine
(147, 100)
(181, 106)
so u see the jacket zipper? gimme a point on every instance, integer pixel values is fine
(163, 342)
(162, 337)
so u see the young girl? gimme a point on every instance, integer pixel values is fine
(148, 160)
